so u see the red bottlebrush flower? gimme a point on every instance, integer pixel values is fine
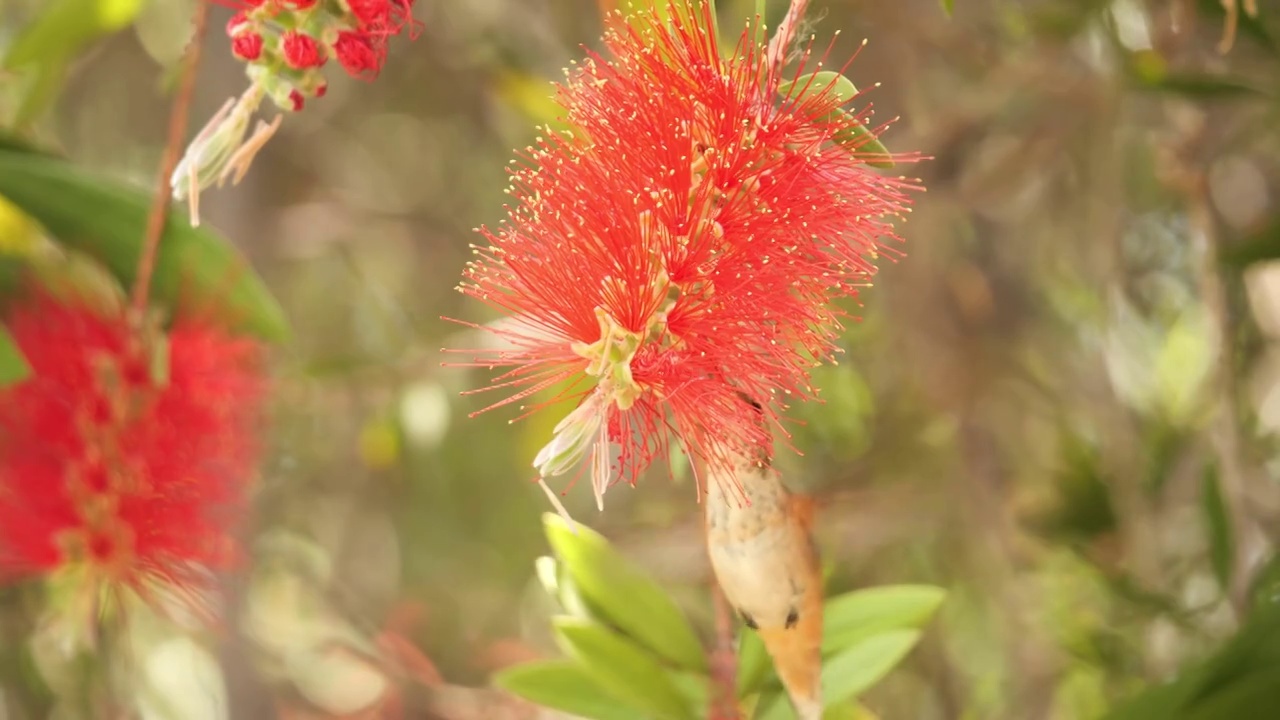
(675, 257)
(382, 17)
(238, 23)
(359, 56)
(247, 46)
(102, 468)
(301, 51)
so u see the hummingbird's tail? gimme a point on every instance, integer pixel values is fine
(797, 656)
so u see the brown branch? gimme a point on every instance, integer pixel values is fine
(724, 661)
(172, 151)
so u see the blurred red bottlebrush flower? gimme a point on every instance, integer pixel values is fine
(106, 470)
(674, 257)
(285, 44)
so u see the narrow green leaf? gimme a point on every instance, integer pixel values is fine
(107, 220)
(65, 25)
(761, 31)
(13, 366)
(852, 617)
(562, 685)
(853, 671)
(623, 594)
(1218, 525)
(820, 83)
(948, 7)
(623, 668)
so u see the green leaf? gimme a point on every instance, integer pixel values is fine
(948, 7)
(623, 594)
(753, 663)
(856, 669)
(827, 81)
(853, 671)
(856, 138)
(1257, 246)
(564, 686)
(855, 616)
(1218, 525)
(623, 668)
(13, 366)
(107, 220)
(65, 25)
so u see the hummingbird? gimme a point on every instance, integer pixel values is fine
(763, 555)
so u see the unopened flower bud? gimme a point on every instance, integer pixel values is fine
(221, 150)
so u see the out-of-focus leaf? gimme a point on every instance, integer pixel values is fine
(1243, 674)
(1150, 71)
(564, 686)
(624, 594)
(40, 92)
(533, 96)
(1218, 524)
(753, 663)
(107, 220)
(948, 7)
(623, 668)
(18, 234)
(13, 366)
(853, 671)
(65, 25)
(1257, 246)
(1265, 589)
(853, 617)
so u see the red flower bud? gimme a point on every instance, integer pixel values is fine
(247, 46)
(296, 98)
(357, 55)
(301, 51)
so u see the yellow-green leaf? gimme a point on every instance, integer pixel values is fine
(65, 25)
(563, 685)
(854, 671)
(107, 220)
(623, 594)
(855, 616)
(622, 668)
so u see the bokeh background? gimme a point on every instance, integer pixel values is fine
(1061, 405)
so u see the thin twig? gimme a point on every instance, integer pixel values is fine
(724, 661)
(172, 151)
(786, 33)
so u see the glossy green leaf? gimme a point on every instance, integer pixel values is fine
(107, 220)
(65, 25)
(826, 81)
(564, 686)
(622, 668)
(624, 595)
(13, 366)
(855, 616)
(1218, 525)
(853, 671)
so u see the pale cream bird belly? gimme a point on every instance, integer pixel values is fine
(758, 550)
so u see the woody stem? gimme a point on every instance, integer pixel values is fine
(724, 661)
(169, 160)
